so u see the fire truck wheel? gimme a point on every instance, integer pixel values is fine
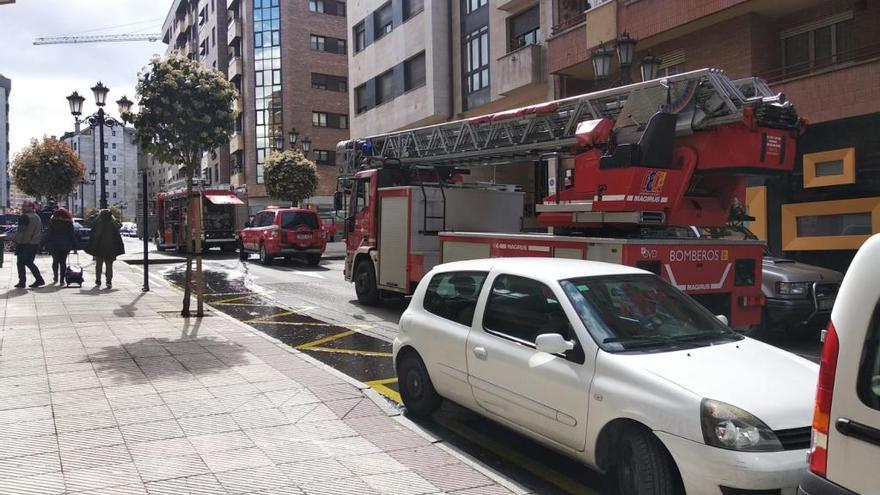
(365, 283)
(416, 389)
(265, 259)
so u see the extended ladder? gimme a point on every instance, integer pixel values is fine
(702, 99)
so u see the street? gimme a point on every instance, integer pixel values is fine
(315, 310)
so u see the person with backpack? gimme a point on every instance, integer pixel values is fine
(105, 245)
(60, 241)
(27, 243)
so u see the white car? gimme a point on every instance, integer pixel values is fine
(846, 428)
(613, 366)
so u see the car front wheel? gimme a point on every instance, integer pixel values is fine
(416, 389)
(643, 467)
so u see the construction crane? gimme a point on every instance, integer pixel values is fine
(102, 38)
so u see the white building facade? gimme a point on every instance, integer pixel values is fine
(5, 89)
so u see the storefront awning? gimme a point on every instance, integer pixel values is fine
(224, 199)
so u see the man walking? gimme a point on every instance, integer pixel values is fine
(27, 244)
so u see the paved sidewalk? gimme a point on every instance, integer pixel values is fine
(111, 392)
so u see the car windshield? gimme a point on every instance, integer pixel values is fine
(293, 220)
(637, 312)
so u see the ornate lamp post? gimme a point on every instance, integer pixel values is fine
(99, 120)
(601, 58)
(293, 137)
(649, 67)
(306, 146)
(625, 48)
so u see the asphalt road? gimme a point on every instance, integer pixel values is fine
(315, 310)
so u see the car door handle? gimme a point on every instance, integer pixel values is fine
(480, 352)
(858, 431)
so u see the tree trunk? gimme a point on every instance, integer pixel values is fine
(187, 240)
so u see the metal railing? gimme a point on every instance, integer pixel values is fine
(569, 23)
(823, 64)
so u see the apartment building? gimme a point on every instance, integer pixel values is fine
(824, 55)
(288, 61)
(5, 89)
(198, 30)
(120, 170)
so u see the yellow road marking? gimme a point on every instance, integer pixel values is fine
(269, 317)
(355, 352)
(331, 338)
(529, 464)
(380, 386)
(230, 301)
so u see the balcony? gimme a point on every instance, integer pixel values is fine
(520, 68)
(566, 49)
(236, 143)
(234, 32)
(513, 5)
(236, 68)
(231, 4)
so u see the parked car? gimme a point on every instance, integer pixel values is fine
(612, 366)
(82, 232)
(286, 232)
(845, 448)
(128, 229)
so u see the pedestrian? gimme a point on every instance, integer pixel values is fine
(60, 241)
(27, 243)
(105, 245)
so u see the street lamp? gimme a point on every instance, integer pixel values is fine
(625, 48)
(306, 145)
(99, 120)
(293, 136)
(649, 67)
(601, 57)
(279, 141)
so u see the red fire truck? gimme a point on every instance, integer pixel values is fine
(626, 168)
(219, 210)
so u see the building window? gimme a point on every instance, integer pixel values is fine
(360, 99)
(414, 72)
(214, 36)
(818, 45)
(322, 157)
(476, 66)
(383, 20)
(267, 76)
(114, 195)
(524, 29)
(472, 5)
(329, 82)
(114, 170)
(384, 87)
(319, 119)
(114, 158)
(340, 9)
(829, 225)
(412, 7)
(316, 6)
(360, 37)
(830, 168)
(343, 121)
(318, 43)
(113, 133)
(113, 145)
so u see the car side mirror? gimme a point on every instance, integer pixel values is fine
(337, 200)
(723, 319)
(553, 343)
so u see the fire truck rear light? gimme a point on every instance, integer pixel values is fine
(749, 301)
(822, 410)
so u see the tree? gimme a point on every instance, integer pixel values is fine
(290, 176)
(47, 168)
(185, 110)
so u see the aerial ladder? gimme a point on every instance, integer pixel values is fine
(658, 155)
(100, 38)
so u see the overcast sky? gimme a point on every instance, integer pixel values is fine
(42, 76)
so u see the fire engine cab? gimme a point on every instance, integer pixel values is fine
(219, 211)
(626, 167)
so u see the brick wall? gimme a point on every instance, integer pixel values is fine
(567, 49)
(837, 94)
(644, 18)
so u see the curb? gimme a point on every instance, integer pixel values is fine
(383, 404)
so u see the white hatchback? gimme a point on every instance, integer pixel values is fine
(613, 366)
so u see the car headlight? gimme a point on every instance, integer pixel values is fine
(792, 288)
(729, 427)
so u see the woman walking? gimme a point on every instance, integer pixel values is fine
(27, 244)
(105, 245)
(60, 241)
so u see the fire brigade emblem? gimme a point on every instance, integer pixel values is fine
(654, 182)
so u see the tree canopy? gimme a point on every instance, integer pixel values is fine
(47, 168)
(290, 176)
(185, 110)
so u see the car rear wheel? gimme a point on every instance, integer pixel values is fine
(643, 467)
(265, 259)
(313, 259)
(242, 254)
(416, 389)
(365, 283)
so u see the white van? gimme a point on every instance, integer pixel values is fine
(845, 450)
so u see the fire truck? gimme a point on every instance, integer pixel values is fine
(626, 168)
(219, 211)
